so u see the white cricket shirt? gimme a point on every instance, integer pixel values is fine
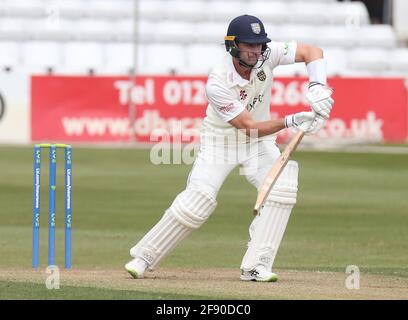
(229, 94)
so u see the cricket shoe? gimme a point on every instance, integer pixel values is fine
(136, 268)
(259, 274)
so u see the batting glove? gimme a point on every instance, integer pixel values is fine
(301, 121)
(319, 98)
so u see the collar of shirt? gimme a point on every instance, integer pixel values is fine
(233, 78)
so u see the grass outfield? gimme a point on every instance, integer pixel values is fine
(35, 291)
(352, 210)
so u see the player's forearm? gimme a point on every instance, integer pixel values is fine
(244, 121)
(315, 63)
(264, 128)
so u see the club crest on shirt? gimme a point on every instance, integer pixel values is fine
(256, 28)
(261, 75)
(243, 94)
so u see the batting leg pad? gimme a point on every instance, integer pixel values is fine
(189, 211)
(267, 229)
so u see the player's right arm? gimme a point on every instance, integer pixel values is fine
(244, 121)
(305, 121)
(231, 110)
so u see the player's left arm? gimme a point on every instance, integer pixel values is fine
(319, 94)
(307, 53)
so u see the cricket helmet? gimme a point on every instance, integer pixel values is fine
(246, 29)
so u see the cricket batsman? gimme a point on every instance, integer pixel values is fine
(239, 90)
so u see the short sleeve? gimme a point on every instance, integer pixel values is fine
(223, 100)
(282, 53)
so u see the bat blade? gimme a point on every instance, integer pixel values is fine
(276, 170)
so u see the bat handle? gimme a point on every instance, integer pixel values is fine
(256, 209)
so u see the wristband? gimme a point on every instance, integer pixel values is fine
(289, 121)
(317, 71)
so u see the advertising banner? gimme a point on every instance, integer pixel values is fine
(96, 109)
